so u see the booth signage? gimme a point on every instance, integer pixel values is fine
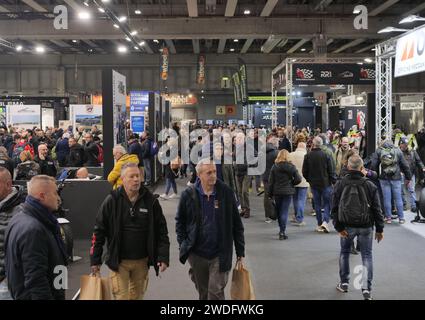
(220, 110)
(164, 66)
(316, 73)
(200, 78)
(410, 54)
(243, 82)
(230, 110)
(404, 106)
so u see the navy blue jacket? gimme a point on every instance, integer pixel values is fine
(230, 227)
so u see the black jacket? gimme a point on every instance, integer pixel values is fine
(32, 253)
(76, 156)
(413, 160)
(318, 169)
(146, 148)
(372, 194)
(6, 213)
(109, 228)
(271, 154)
(285, 144)
(283, 178)
(47, 166)
(231, 230)
(136, 148)
(91, 152)
(402, 165)
(7, 163)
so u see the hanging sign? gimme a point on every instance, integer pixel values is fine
(164, 65)
(200, 78)
(410, 53)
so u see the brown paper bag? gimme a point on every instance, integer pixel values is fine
(91, 287)
(106, 288)
(241, 288)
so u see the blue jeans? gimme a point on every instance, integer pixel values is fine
(148, 170)
(282, 206)
(411, 191)
(299, 199)
(365, 239)
(322, 200)
(391, 189)
(170, 183)
(4, 291)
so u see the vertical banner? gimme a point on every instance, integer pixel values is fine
(243, 82)
(237, 87)
(139, 102)
(119, 99)
(200, 76)
(164, 63)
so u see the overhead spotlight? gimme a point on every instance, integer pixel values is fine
(368, 60)
(202, 97)
(257, 103)
(391, 29)
(128, 39)
(40, 49)
(136, 48)
(138, 12)
(303, 49)
(19, 48)
(116, 26)
(133, 33)
(84, 15)
(360, 63)
(122, 49)
(122, 18)
(105, 1)
(231, 50)
(298, 93)
(101, 10)
(202, 91)
(411, 18)
(373, 49)
(75, 41)
(156, 41)
(236, 40)
(90, 50)
(190, 95)
(246, 12)
(86, 3)
(141, 43)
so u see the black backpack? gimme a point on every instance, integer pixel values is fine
(354, 207)
(388, 159)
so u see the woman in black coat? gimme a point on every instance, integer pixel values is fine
(283, 178)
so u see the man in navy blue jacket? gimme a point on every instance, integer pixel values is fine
(207, 225)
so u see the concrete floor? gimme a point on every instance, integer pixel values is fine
(303, 267)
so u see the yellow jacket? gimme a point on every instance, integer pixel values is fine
(114, 177)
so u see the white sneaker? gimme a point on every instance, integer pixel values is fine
(319, 229)
(172, 196)
(189, 184)
(163, 196)
(325, 227)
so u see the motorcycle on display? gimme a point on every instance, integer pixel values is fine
(65, 225)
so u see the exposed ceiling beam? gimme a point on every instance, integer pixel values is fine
(192, 8)
(94, 46)
(61, 43)
(349, 45)
(205, 28)
(195, 43)
(270, 43)
(298, 45)
(34, 5)
(221, 45)
(147, 48)
(230, 8)
(246, 45)
(3, 9)
(327, 43)
(415, 10)
(322, 4)
(268, 8)
(383, 7)
(368, 48)
(171, 46)
(73, 4)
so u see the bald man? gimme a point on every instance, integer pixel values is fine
(82, 173)
(10, 198)
(34, 246)
(46, 163)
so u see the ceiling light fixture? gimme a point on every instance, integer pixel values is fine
(246, 12)
(303, 49)
(86, 3)
(128, 39)
(122, 49)
(141, 43)
(156, 41)
(122, 18)
(236, 40)
(105, 1)
(411, 18)
(19, 48)
(116, 26)
(84, 15)
(40, 49)
(391, 29)
(75, 41)
(138, 12)
(136, 48)
(101, 10)
(368, 60)
(133, 33)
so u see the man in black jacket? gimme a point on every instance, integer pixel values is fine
(207, 225)
(146, 143)
(132, 222)
(91, 151)
(10, 198)
(351, 223)
(76, 153)
(46, 163)
(35, 252)
(271, 154)
(319, 171)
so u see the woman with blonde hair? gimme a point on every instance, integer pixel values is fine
(283, 178)
(28, 168)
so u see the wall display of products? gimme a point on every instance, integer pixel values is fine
(119, 96)
(86, 115)
(23, 116)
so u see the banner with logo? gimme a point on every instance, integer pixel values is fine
(139, 102)
(164, 64)
(200, 74)
(243, 81)
(314, 74)
(410, 54)
(86, 115)
(237, 87)
(23, 116)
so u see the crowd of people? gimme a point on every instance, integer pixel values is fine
(357, 192)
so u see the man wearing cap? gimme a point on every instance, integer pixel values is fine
(414, 161)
